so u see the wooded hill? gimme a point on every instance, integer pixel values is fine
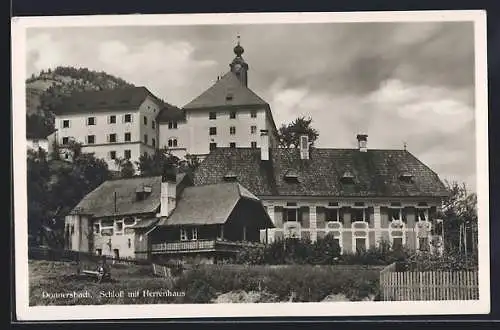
(45, 90)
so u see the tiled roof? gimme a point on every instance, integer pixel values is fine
(171, 113)
(101, 201)
(209, 204)
(216, 95)
(377, 173)
(106, 100)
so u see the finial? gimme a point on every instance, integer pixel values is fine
(404, 145)
(238, 50)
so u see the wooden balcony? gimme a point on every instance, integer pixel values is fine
(200, 246)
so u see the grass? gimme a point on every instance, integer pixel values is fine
(202, 284)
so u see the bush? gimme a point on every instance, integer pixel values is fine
(303, 283)
(325, 251)
(383, 254)
(451, 261)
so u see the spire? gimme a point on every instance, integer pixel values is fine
(238, 50)
(238, 66)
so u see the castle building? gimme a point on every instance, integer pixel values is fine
(113, 124)
(227, 114)
(360, 196)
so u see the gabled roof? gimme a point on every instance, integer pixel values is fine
(376, 172)
(215, 96)
(209, 204)
(101, 201)
(128, 98)
(171, 113)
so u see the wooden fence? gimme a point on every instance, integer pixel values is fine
(429, 285)
(45, 253)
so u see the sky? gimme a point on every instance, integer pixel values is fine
(397, 82)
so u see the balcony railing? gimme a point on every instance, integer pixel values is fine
(200, 246)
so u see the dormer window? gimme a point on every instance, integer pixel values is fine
(347, 177)
(230, 176)
(292, 176)
(229, 96)
(406, 177)
(142, 192)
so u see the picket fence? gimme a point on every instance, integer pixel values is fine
(428, 285)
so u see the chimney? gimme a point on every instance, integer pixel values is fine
(304, 147)
(362, 140)
(264, 144)
(168, 192)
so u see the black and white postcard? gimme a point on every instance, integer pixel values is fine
(300, 164)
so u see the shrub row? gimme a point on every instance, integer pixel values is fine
(324, 251)
(302, 283)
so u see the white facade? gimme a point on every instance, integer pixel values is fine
(113, 134)
(194, 135)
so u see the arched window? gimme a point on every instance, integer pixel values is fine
(172, 142)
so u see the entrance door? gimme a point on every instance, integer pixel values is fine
(116, 253)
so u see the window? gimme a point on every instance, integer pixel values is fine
(97, 228)
(107, 223)
(116, 253)
(112, 138)
(194, 234)
(72, 229)
(332, 215)
(232, 130)
(172, 125)
(112, 119)
(253, 113)
(422, 215)
(153, 143)
(232, 144)
(172, 143)
(253, 144)
(253, 129)
(153, 124)
(232, 115)
(212, 146)
(145, 120)
(119, 226)
(397, 243)
(107, 231)
(395, 214)
(212, 115)
(129, 221)
(66, 155)
(359, 215)
(213, 131)
(65, 123)
(423, 243)
(127, 154)
(98, 252)
(112, 154)
(127, 118)
(291, 215)
(91, 139)
(90, 121)
(360, 244)
(127, 137)
(65, 140)
(146, 138)
(129, 242)
(183, 234)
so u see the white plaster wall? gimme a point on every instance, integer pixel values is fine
(194, 134)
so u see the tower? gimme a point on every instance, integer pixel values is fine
(238, 66)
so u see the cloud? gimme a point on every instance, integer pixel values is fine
(397, 82)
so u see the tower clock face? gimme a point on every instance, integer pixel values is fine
(237, 67)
